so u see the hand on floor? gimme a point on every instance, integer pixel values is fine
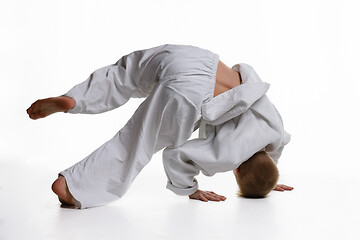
(282, 187)
(206, 196)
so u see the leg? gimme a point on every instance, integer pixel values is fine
(165, 118)
(44, 107)
(106, 88)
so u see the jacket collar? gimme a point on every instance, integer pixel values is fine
(237, 100)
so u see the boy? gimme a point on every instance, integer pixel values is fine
(186, 88)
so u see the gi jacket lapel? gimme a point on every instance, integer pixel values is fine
(237, 100)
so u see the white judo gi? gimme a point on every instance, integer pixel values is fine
(178, 82)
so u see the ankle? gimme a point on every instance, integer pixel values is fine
(67, 102)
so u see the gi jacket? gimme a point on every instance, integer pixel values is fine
(249, 96)
(235, 125)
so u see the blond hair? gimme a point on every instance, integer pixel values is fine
(257, 176)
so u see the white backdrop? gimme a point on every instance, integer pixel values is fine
(307, 50)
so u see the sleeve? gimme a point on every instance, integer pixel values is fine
(180, 171)
(112, 86)
(275, 155)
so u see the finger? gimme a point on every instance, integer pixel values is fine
(278, 188)
(212, 197)
(209, 192)
(203, 198)
(220, 197)
(285, 187)
(214, 194)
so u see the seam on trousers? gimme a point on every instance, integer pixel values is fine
(179, 93)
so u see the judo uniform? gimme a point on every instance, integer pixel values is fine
(178, 82)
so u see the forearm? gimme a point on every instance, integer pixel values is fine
(180, 172)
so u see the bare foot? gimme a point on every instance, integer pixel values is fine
(44, 107)
(60, 188)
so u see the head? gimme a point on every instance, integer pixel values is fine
(257, 176)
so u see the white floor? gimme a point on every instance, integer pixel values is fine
(320, 207)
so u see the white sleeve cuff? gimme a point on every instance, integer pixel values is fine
(183, 191)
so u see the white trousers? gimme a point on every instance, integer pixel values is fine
(176, 81)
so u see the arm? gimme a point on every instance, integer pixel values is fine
(181, 174)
